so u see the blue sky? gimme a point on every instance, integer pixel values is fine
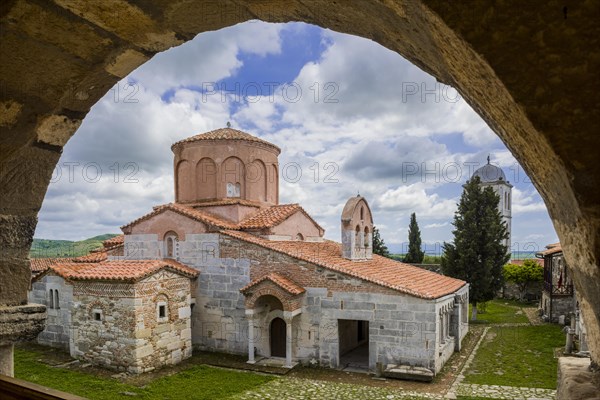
(362, 116)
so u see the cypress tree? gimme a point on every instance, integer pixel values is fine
(379, 246)
(477, 253)
(415, 254)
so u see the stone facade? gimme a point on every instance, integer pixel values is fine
(118, 325)
(124, 324)
(59, 304)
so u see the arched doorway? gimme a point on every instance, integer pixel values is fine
(277, 337)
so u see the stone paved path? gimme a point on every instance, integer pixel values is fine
(505, 392)
(306, 389)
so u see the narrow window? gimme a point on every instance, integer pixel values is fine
(366, 238)
(162, 311)
(51, 299)
(362, 213)
(171, 241)
(97, 316)
(357, 237)
(56, 300)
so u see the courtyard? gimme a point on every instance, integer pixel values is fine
(514, 357)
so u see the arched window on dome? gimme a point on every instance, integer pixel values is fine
(357, 236)
(299, 236)
(171, 244)
(234, 189)
(366, 237)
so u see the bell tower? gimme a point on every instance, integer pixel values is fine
(357, 230)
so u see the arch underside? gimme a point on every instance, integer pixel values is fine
(527, 70)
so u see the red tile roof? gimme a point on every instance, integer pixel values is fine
(265, 218)
(223, 202)
(550, 249)
(92, 257)
(382, 271)
(273, 216)
(285, 283)
(119, 270)
(114, 242)
(39, 265)
(226, 134)
(190, 212)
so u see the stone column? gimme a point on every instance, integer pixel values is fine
(288, 342)
(18, 324)
(7, 360)
(250, 317)
(458, 325)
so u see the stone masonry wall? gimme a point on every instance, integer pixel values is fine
(58, 321)
(168, 340)
(109, 341)
(129, 335)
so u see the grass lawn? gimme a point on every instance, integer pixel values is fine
(197, 382)
(501, 311)
(517, 356)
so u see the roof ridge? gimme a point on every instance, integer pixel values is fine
(419, 289)
(225, 134)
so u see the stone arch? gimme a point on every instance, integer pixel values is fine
(185, 183)
(256, 181)
(273, 291)
(517, 100)
(206, 179)
(232, 182)
(171, 244)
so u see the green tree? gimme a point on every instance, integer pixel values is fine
(415, 254)
(379, 246)
(477, 253)
(523, 275)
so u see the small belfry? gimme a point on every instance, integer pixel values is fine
(357, 229)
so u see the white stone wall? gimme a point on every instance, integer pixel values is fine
(218, 317)
(58, 321)
(142, 247)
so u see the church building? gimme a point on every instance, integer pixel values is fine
(268, 284)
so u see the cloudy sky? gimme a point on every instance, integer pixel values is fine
(349, 115)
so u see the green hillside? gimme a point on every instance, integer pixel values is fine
(48, 248)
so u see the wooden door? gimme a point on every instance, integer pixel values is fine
(277, 338)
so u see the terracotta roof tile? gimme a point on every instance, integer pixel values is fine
(187, 211)
(226, 134)
(92, 257)
(119, 270)
(39, 265)
(265, 218)
(285, 283)
(223, 202)
(383, 271)
(114, 242)
(273, 216)
(550, 249)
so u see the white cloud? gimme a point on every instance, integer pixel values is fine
(361, 142)
(526, 202)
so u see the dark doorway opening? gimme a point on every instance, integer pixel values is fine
(353, 345)
(277, 337)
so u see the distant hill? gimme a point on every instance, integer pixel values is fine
(48, 248)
